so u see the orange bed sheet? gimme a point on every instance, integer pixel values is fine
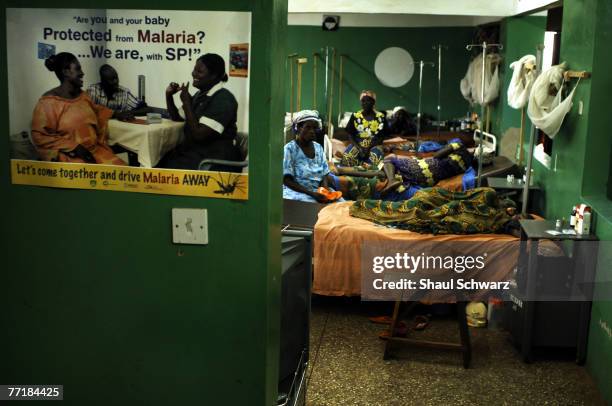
(339, 238)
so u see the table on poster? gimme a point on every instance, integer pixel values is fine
(150, 141)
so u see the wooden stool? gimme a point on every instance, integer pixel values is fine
(464, 345)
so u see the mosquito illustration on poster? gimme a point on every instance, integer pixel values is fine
(231, 184)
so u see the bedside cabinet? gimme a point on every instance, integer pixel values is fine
(550, 304)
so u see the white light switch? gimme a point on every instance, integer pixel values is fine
(189, 226)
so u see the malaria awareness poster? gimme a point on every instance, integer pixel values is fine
(128, 100)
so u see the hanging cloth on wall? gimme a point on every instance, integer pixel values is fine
(521, 82)
(472, 82)
(547, 111)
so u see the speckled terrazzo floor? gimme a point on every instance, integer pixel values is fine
(346, 366)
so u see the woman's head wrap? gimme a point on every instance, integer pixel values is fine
(398, 108)
(368, 93)
(306, 115)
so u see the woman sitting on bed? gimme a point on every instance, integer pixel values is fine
(305, 169)
(304, 166)
(366, 129)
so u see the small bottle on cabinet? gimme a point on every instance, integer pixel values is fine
(586, 223)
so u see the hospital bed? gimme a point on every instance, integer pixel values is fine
(339, 239)
(301, 215)
(338, 236)
(338, 269)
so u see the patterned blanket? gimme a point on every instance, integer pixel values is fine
(439, 211)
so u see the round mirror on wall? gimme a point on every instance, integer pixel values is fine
(394, 67)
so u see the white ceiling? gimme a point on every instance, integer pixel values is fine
(391, 20)
(490, 8)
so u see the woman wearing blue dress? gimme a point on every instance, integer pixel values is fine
(305, 168)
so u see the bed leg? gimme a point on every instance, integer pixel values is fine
(387, 353)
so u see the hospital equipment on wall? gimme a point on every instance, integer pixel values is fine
(483, 101)
(547, 113)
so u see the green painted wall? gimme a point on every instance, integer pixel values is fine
(596, 177)
(597, 37)
(97, 298)
(582, 150)
(599, 356)
(362, 46)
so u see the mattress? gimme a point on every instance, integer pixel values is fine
(340, 238)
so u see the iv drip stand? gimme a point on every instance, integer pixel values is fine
(484, 46)
(439, 48)
(421, 65)
(532, 136)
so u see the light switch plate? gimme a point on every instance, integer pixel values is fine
(190, 226)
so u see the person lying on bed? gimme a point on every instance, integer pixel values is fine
(382, 185)
(450, 161)
(440, 211)
(305, 169)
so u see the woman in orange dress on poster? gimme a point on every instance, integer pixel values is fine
(66, 125)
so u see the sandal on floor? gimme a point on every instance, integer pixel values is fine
(420, 323)
(381, 319)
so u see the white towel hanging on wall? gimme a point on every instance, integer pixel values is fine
(521, 82)
(471, 84)
(545, 110)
